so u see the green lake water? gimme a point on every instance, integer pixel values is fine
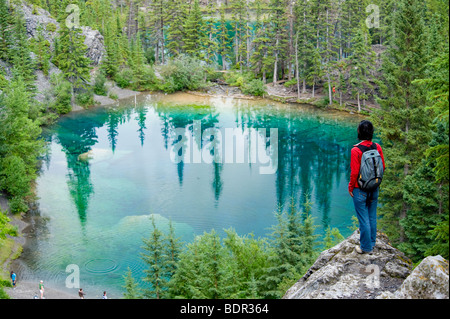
(93, 213)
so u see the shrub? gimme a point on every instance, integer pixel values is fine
(183, 73)
(16, 181)
(113, 96)
(124, 78)
(144, 79)
(62, 91)
(236, 78)
(99, 85)
(18, 205)
(85, 98)
(246, 82)
(254, 87)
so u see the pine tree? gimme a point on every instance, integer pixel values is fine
(260, 60)
(111, 63)
(132, 290)
(155, 257)
(5, 31)
(158, 20)
(173, 250)
(20, 146)
(304, 44)
(20, 50)
(204, 270)
(42, 51)
(238, 21)
(194, 32)
(361, 64)
(210, 44)
(177, 15)
(403, 122)
(223, 39)
(71, 57)
(137, 62)
(278, 23)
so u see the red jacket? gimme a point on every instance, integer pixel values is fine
(355, 163)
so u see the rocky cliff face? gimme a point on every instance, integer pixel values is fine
(340, 272)
(41, 19)
(93, 39)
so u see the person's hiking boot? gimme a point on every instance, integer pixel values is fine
(360, 251)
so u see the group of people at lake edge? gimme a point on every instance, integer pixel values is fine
(81, 293)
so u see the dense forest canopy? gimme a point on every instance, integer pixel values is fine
(393, 54)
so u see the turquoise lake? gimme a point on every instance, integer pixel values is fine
(108, 169)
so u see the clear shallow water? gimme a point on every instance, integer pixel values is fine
(94, 213)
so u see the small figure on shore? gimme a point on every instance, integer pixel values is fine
(104, 295)
(41, 289)
(81, 293)
(13, 279)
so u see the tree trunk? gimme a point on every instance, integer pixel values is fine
(275, 67)
(291, 36)
(297, 67)
(330, 93)
(359, 103)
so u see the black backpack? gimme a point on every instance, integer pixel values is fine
(371, 171)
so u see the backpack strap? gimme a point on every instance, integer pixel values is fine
(367, 148)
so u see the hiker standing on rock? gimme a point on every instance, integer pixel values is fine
(367, 168)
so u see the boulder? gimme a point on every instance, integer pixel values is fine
(429, 280)
(95, 43)
(341, 273)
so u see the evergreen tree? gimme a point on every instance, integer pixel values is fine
(403, 121)
(20, 145)
(42, 51)
(223, 39)
(278, 23)
(194, 32)
(361, 64)
(155, 257)
(304, 44)
(111, 63)
(5, 31)
(260, 61)
(204, 270)
(250, 256)
(137, 62)
(132, 290)
(71, 57)
(177, 15)
(293, 244)
(210, 44)
(173, 250)
(24, 65)
(158, 21)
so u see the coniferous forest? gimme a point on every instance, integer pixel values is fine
(390, 59)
